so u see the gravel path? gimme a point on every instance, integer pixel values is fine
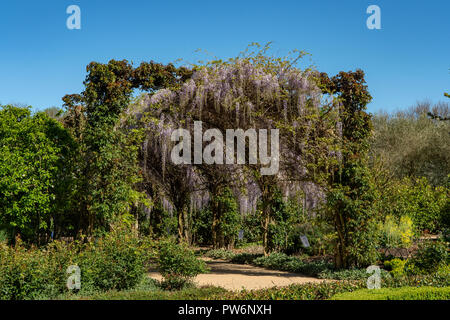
(239, 276)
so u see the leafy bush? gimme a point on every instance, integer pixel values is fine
(34, 173)
(202, 226)
(429, 258)
(283, 262)
(114, 262)
(320, 237)
(285, 219)
(160, 222)
(396, 235)
(348, 274)
(178, 264)
(308, 291)
(189, 293)
(251, 224)
(245, 258)
(417, 199)
(222, 253)
(405, 293)
(32, 273)
(441, 278)
(229, 217)
(397, 267)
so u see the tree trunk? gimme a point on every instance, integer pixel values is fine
(266, 200)
(340, 258)
(180, 214)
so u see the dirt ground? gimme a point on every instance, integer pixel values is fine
(238, 276)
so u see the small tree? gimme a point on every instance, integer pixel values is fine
(35, 173)
(351, 191)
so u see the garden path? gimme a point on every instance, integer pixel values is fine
(236, 277)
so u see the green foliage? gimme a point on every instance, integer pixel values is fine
(440, 278)
(178, 264)
(429, 258)
(410, 144)
(202, 221)
(396, 235)
(283, 262)
(35, 173)
(416, 198)
(348, 274)
(114, 262)
(245, 258)
(229, 217)
(406, 293)
(309, 291)
(284, 220)
(351, 196)
(31, 273)
(397, 267)
(350, 209)
(252, 226)
(159, 223)
(221, 253)
(189, 293)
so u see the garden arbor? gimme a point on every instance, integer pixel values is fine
(252, 93)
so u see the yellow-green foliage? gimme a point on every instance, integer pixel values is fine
(396, 267)
(396, 234)
(404, 293)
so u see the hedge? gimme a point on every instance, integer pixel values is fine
(404, 293)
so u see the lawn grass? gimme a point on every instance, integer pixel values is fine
(403, 293)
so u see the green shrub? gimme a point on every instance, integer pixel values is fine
(405, 293)
(4, 235)
(348, 274)
(308, 291)
(245, 258)
(222, 253)
(440, 278)
(178, 264)
(425, 204)
(160, 222)
(429, 258)
(229, 217)
(189, 293)
(27, 274)
(202, 226)
(116, 261)
(283, 262)
(251, 224)
(396, 234)
(285, 217)
(397, 267)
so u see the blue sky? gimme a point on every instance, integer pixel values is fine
(406, 61)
